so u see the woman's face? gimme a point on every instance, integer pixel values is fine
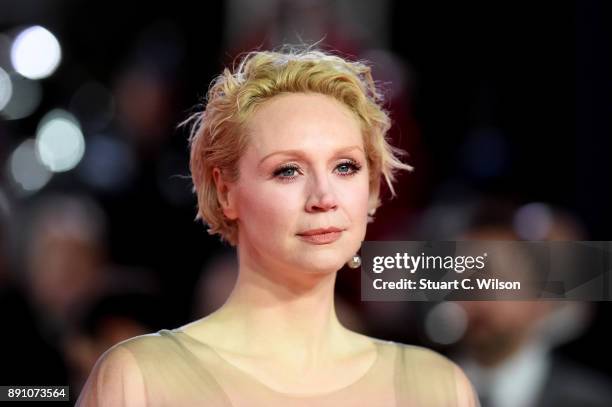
(304, 169)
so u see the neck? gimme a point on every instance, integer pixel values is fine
(292, 309)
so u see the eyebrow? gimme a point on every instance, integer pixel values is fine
(300, 153)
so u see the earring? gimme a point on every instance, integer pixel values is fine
(354, 262)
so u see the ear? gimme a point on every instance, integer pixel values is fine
(225, 195)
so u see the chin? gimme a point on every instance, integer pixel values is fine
(322, 262)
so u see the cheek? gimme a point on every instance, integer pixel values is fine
(266, 208)
(355, 199)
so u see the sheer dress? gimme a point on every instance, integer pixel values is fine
(172, 368)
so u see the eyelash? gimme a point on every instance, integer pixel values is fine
(353, 166)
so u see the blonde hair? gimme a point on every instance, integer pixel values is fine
(217, 138)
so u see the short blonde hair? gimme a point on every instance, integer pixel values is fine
(218, 138)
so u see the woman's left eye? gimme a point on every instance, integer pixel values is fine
(348, 168)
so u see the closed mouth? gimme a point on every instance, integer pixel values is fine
(320, 231)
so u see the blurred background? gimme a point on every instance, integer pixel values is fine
(503, 108)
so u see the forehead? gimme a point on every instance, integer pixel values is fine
(302, 121)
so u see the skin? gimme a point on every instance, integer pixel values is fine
(284, 294)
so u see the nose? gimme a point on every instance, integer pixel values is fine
(321, 197)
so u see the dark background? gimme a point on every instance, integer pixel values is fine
(499, 100)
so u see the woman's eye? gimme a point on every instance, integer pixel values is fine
(286, 172)
(348, 168)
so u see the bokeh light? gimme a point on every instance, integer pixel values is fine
(25, 169)
(59, 141)
(533, 221)
(26, 95)
(446, 323)
(6, 88)
(36, 53)
(108, 164)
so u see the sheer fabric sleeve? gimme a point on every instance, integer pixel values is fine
(466, 395)
(425, 378)
(115, 381)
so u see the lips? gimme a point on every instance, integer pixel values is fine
(321, 235)
(320, 231)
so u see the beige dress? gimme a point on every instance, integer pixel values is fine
(172, 368)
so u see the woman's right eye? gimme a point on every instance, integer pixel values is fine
(286, 172)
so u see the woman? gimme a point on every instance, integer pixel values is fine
(287, 161)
